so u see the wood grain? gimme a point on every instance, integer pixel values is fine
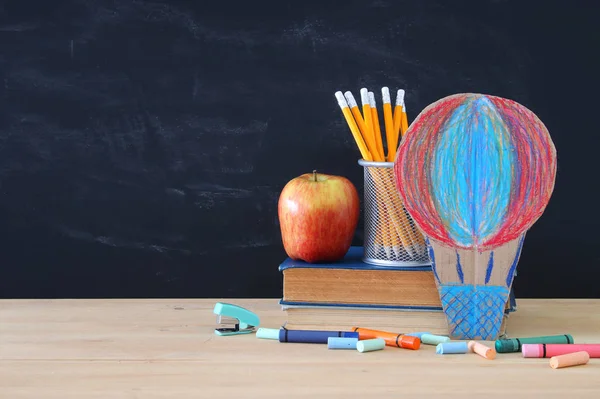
(166, 347)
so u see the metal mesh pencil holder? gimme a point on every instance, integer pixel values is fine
(391, 237)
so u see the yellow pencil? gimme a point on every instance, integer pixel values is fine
(398, 116)
(399, 223)
(353, 127)
(417, 237)
(368, 138)
(389, 124)
(400, 127)
(383, 202)
(396, 231)
(376, 128)
(404, 121)
(366, 106)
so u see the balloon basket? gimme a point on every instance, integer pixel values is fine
(391, 237)
(474, 287)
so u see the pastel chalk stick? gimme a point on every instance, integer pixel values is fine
(369, 345)
(341, 343)
(570, 359)
(267, 333)
(482, 350)
(445, 348)
(430, 339)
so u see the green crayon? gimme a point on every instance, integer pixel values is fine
(515, 344)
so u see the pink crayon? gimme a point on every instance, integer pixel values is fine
(550, 350)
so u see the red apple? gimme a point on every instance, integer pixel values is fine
(318, 214)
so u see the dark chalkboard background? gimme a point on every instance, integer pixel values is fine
(143, 144)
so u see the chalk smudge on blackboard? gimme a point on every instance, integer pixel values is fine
(216, 190)
(118, 242)
(246, 168)
(220, 126)
(17, 27)
(211, 194)
(196, 86)
(251, 242)
(307, 30)
(380, 4)
(175, 192)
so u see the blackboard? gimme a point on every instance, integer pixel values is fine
(144, 144)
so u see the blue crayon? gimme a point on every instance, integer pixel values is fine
(341, 343)
(312, 336)
(451, 347)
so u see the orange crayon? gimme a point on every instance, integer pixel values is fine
(391, 339)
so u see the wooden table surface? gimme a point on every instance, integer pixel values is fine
(166, 348)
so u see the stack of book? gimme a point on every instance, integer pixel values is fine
(337, 296)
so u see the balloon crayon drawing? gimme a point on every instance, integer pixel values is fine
(475, 172)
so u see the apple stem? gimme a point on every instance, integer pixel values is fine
(315, 175)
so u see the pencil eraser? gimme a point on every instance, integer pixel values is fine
(341, 343)
(340, 99)
(430, 339)
(369, 345)
(267, 333)
(400, 97)
(351, 100)
(372, 100)
(385, 94)
(531, 350)
(364, 96)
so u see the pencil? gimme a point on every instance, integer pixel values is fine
(366, 106)
(404, 121)
(394, 231)
(389, 123)
(398, 116)
(376, 128)
(364, 152)
(402, 225)
(417, 241)
(367, 137)
(390, 239)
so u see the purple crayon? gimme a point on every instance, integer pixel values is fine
(312, 336)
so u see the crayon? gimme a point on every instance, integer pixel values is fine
(569, 359)
(482, 350)
(430, 339)
(312, 336)
(550, 350)
(451, 347)
(515, 344)
(369, 345)
(341, 343)
(391, 339)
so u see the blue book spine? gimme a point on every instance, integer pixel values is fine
(312, 336)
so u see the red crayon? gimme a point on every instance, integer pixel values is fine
(550, 350)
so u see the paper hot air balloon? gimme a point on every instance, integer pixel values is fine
(475, 172)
